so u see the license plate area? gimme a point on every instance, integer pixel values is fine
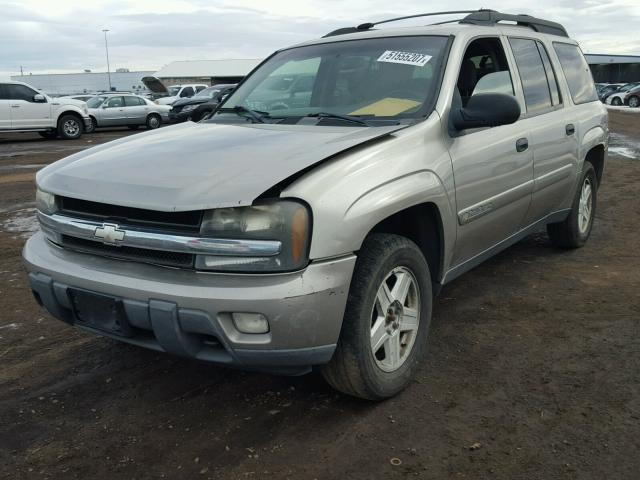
(101, 312)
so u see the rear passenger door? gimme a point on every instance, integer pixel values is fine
(5, 109)
(136, 110)
(551, 136)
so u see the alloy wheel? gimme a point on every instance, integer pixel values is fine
(585, 207)
(395, 318)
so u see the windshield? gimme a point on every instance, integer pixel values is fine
(207, 92)
(95, 102)
(390, 77)
(173, 91)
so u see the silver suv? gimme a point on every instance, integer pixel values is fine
(314, 229)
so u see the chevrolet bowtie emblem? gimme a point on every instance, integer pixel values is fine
(109, 233)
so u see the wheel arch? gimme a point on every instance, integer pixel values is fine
(71, 112)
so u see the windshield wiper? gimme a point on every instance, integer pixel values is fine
(255, 115)
(346, 118)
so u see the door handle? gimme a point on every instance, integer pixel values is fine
(570, 129)
(522, 144)
(15, 106)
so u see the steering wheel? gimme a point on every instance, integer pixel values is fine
(406, 94)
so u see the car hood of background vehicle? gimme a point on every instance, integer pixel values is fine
(190, 101)
(68, 101)
(196, 166)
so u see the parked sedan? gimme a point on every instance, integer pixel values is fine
(201, 104)
(618, 98)
(129, 110)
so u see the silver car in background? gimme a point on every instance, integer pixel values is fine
(125, 110)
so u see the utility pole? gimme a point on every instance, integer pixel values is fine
(106, 47)
(21, 72)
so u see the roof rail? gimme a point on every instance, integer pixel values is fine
(491, 17)
(475, 17)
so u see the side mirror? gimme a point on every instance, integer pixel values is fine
(487, 110)
(39, 98)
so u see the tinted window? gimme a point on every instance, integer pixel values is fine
(187, 92)
(4, 92)
(200, 88)
(114, 102)
(552, 80)
(532, 74)
(133, 101)
(577, 73)
(20, 92)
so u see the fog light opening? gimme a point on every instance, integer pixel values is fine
(250, 322)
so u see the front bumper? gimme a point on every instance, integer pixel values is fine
(180, 116)
(87, 122)
(188, 313)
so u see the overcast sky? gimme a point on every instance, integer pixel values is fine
(60, 35)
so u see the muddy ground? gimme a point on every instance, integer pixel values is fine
(533, 372)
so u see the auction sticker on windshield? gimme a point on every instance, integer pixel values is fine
(406, 58)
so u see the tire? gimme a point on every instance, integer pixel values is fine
(49, 135)
(69, 127)
(134, 127)
(356, 369)
(616, 102)
(153, 121)
(92, 127)
(574, 231)
(634, 102)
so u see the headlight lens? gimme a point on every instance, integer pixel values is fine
(188, 108)
(286, 221)
(45, 202)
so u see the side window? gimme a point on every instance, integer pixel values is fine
(186, 92)
(484, 69)
(552, 79)
(115, 102)
(532, 74)
(577, 73)
(4, 92)
(133, 102)
(20, 92)
(199, 88)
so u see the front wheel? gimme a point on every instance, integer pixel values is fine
(616, 102)
(91, 127)
(574, 231)
(153, 122)
(634, 102)
(69, 127)
(386, 322)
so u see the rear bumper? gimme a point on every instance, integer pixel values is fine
(188, 313)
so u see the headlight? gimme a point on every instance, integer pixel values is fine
(286, 221)
(188, 108)
(46, 202)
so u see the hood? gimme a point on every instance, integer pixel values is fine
(195, 166)
(166, 100)
(68, 101)
(155, 85)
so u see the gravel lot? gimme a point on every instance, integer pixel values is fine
(533, 371)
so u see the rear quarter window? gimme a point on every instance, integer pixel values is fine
(577, 72)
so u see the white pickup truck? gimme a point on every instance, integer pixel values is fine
(24, 109)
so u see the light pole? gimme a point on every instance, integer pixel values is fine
(106, 47)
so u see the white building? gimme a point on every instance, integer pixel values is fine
(87, 82)
(206, 71)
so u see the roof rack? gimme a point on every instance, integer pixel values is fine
(474, 17)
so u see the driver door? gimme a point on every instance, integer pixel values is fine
(26, 113)
(492, 167)
(113, 112)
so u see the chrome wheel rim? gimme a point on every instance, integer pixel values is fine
(153, 122)
(395, 318)
(71, 128)
(633, 102)
(585, 207)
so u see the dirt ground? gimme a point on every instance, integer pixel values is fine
(533, 372)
